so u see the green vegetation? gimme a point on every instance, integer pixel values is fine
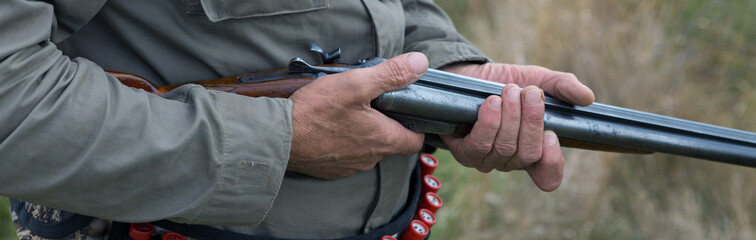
(7, 231)
(692, 59)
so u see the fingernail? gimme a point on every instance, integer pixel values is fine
(419, 62)
(495, 104)
(534, 97)
(550, 138)
(513, 94)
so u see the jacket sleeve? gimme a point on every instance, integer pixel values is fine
(73, 138)
(429, 30)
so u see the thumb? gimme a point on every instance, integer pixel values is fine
(393, 74)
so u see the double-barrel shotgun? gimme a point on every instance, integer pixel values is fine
(446, 103)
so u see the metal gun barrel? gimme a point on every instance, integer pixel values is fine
(447, 103)
(446, 97)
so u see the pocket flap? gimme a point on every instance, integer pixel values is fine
(219, 10)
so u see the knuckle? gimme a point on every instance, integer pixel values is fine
(507, 149)
(484, 169)
(506, 165)
(490, 122)
(569, 76)
(503, 168)
(397, 72)
(402, 143)
(529, 156)
(512, 115)
(481, 147)
(522, 71)
(533, 119)
(353, 86)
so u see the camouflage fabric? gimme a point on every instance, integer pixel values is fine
(50, 216)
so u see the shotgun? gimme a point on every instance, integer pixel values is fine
(446, 103)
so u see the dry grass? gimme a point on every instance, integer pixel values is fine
(686, 58)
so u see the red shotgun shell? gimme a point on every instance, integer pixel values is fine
(426, 216)
(173, 236)
(141, 231)
(428, 163)
(415, 231)
(431, 201)
(430, 184)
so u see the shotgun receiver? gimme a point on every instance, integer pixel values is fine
(446, 103)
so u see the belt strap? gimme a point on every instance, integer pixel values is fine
(396, 226)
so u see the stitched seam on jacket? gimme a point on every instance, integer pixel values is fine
(214, 198)
(271, 14)
(215, 17)
(287, 145)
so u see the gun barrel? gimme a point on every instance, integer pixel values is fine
(651, 132)
(446, 97)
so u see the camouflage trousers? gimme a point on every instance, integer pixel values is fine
(35, 222)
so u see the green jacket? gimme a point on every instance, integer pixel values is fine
(74, 138)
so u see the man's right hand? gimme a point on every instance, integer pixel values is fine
(337, 133)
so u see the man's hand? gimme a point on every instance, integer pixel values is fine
(337, 133)
(509, 132)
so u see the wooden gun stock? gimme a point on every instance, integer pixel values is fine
(277, 88)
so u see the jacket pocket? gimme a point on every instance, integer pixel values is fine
(219, 10)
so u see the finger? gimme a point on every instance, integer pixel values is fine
(505, 145)
(530, 139)
(562, 85)
(393, 74)
(548, 172)
(470, 150)
(404, 141)
(332, 173)
(328, 173)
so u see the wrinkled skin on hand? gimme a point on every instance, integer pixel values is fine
(509, 133)
(337, 133)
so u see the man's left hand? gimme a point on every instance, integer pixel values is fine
(509, 133)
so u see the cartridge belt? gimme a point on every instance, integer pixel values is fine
(396, 226)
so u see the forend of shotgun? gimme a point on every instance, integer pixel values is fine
(446, 103)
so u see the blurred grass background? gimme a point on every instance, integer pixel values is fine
(693, 59)
(7, 231)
